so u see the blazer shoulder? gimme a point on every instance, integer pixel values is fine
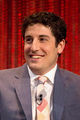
(9, 71)
(70, 79)
(69, 74)
(12, 70)
(9, 74)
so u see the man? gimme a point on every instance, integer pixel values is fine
(44, 36)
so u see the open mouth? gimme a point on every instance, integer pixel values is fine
(36, 56)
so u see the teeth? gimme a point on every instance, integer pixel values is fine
(36, 57)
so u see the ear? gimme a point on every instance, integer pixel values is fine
(61, 46)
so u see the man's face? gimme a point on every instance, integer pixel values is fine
(40, 49)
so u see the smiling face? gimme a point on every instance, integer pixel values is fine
(40, 49)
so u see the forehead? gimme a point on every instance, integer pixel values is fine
(38, 29)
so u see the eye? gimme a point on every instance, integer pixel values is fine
(42, 39)
(29, 40)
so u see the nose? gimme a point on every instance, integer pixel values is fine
(35, 45)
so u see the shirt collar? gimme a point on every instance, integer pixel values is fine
(50, 74)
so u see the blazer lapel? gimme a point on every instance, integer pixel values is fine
(22, 85)
(58, 95)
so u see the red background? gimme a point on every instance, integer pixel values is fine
(12, 13)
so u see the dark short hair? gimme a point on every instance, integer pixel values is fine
(56, 24)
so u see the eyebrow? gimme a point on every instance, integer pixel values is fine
(39, 36)
(44, 36)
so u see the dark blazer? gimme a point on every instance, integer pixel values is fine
(15, 95)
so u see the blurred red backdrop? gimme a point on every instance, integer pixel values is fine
(12, 13)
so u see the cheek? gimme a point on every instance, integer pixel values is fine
(49, 49)
(26, 48)
(52, 53)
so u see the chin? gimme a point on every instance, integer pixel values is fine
(35, 69)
